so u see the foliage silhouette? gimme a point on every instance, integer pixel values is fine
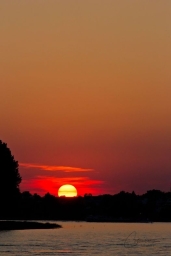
(154, 205)
(9, 174)
(122, 207)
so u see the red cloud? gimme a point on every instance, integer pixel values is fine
(42, 185)
(55, 168)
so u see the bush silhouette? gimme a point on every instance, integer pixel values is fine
(9, 174)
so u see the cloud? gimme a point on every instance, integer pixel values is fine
(55, 168)
(41, 179)
(43, 185)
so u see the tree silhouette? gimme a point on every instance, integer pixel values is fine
(9, 174)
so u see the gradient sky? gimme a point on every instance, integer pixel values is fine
(85, 90)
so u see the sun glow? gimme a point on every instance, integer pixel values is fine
(67, 191)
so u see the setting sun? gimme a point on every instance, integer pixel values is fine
(67, 190)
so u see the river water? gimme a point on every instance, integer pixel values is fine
(83, 238)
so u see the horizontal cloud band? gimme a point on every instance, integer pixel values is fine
(55, 168)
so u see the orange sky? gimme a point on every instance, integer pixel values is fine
(87, 85)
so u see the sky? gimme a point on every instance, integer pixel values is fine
(85, 92)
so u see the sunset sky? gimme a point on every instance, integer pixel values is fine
(85, 90)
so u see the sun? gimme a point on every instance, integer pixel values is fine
(67, 190)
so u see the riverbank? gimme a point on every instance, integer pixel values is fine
(21, 225)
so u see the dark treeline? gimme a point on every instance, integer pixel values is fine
(151, 206)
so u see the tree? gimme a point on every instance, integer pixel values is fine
(9, 174)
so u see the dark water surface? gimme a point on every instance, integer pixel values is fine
(82, 238)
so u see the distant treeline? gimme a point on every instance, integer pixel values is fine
(152, 206)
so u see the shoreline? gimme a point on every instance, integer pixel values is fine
(23, 225)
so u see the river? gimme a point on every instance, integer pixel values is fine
(84, 238)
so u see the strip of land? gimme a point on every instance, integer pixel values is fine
(21, 225)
